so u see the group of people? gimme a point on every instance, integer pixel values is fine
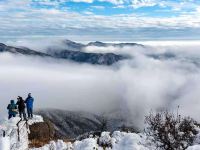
(19, 107)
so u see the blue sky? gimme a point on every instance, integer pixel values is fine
(100, 19)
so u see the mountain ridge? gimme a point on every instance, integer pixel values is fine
(77, 123)
(76, 56)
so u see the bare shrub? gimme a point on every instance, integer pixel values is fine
(105, 140)
(170, 131)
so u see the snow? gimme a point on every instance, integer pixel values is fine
(35, 119)
(86, 144)
(4, 143)
(195, 147)
(11, 141)
(196, 143)
(197, 139)
(130, 141)
(10, 129)
(107, 141)
(119, 141)
(59, 145)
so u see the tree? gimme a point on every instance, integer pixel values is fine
(170, 131)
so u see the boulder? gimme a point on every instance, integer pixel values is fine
(41, 133)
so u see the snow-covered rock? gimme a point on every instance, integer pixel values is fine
(86, 144)
(195, 147)
(10, 127)
(105, 139)
(59, 145)
(4, 143)
(130, 141)
(35, 119)
(119, 141)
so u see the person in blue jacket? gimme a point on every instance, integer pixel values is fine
(12, 109)
(29, 105)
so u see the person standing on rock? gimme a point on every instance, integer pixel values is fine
(29, 104)
(21, 107)
(12, 109)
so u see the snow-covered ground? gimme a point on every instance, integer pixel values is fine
(11, 140)
(115, 141)
(118, 141)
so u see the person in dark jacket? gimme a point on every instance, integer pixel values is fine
(21, 107)
(12, 109)
(29, 105)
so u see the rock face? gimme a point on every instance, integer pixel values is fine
(41, 133)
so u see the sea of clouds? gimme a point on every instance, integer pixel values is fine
(150, 80)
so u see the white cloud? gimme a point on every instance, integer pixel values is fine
(143, 3)
(86, 1)
(136, 85)
(116, 2)
(98, 7)
(27, 20)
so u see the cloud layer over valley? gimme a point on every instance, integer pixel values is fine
(154, 77)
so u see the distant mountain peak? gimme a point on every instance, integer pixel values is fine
(1, 44)
(69, 42)
(71, 45)
(102, 44)
(20, 50)
(98, 43)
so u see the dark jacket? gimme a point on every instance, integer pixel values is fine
(29, 102)
(21, 104)
(12, 107)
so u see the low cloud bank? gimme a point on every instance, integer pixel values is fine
(131, 88)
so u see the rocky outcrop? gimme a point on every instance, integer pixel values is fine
(41, 133)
